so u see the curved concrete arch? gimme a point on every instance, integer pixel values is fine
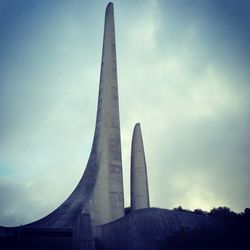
(100, 190)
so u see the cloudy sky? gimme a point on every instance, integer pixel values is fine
(183, 71)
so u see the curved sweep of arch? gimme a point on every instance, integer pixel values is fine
(100, 190)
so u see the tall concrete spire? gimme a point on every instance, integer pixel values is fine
(107, 201)
(139, 179)
(100, 190)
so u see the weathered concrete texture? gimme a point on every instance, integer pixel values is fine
(82, 236)
(100, 190)
(150, 228)
(139, 180)
(107, 201)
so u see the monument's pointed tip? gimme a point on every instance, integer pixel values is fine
(109, 14)
(137, 131)
(109, 6)
(137, 125)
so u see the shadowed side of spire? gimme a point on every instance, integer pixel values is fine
(139, 180)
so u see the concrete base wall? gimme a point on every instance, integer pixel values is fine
(149, 229)
(144, 229)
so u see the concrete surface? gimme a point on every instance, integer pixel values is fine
(150, 229)
(139, 180)
(100, 190)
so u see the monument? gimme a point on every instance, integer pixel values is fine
(93, 215)
(100, 190)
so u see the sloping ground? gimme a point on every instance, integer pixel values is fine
(150, 229)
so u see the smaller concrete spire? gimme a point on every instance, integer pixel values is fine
(139, 180)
